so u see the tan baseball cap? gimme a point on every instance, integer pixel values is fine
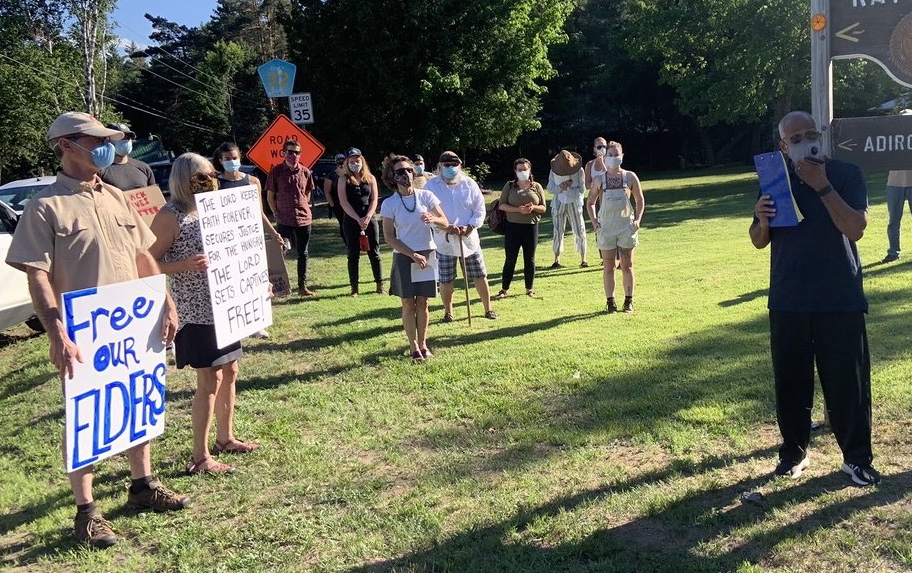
(78, 123)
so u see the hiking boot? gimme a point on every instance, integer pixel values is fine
(157, 498)
(863, 475)
(611, 307)
(792, 469)
(628, 306)
(94, 530)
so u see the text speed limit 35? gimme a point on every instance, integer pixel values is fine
(301, 108)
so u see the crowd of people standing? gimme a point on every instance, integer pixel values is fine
(432, 223)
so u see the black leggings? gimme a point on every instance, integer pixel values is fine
(352, 232)
(518, 235)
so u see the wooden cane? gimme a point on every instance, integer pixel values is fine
(465, 279)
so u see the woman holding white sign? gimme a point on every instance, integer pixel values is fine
(406, 223)
(179, 250)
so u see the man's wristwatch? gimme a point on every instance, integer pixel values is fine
(825, 191)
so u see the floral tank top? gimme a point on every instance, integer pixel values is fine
(190, 289)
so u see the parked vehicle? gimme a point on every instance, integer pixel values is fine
(162, 171)
(15, 301)
(17, 193)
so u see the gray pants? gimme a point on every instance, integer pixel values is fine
(563, 213)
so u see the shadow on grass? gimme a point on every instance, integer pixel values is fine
(666, 540)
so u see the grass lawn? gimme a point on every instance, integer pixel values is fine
(556, 438)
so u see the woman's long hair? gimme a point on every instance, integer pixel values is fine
(363, 176)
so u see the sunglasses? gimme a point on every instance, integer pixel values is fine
(404, 170)
(601, 147)
(292, 152)
(203, 178)
(450, 164)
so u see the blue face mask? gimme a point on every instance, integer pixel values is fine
(102, 156)
(450, 172)
(232, 165)
(123, 147)
(419, 169)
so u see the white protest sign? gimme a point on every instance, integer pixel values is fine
(116, 399)
(231, 221)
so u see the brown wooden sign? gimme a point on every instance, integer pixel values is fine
(874, 143)
(880, 30)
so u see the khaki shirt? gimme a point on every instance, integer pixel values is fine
(900, 178)
(84, 234)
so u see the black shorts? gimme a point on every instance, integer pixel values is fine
(195, 346)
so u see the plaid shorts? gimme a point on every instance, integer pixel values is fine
(446, 267)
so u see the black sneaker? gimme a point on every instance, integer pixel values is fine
(611, 307)
(94, 530)
(862, 475)
(491, 315)
(447, 317)
(890, 258)
(792, 469)
(628, 306)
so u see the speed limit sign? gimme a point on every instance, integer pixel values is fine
(301, 107)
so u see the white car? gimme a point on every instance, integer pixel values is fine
(17, 193)
(15, 302)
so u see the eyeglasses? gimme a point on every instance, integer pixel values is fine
(292, 152)
(203, 177)
(810, 135)
(404, 170)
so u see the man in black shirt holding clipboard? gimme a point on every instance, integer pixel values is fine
(817, 304)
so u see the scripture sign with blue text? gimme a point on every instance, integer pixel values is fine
(116, 399)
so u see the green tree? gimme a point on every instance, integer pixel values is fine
(396, 75)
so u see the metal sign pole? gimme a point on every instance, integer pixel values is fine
(822, 71)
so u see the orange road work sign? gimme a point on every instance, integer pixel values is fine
(267, 151)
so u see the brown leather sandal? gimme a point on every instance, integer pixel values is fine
(208, 466)
(234, 446)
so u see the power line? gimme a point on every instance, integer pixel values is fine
(247, 95)
(79, 88)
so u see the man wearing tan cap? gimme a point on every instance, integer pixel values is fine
(80, 214)
(566, 183)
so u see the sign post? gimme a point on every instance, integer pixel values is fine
(301, 108)
(881, 31)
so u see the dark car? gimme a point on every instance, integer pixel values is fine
(323, 167)
(162, 171)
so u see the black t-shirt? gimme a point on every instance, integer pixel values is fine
(814, 267)
(128, 176)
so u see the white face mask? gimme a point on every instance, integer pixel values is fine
(355, 167)
(601, 151)
(561, 179)
(613, 162)
(798, 151)
(522, 175)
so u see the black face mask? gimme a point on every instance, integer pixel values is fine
(405, 179)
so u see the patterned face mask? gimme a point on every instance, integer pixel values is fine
(203, 182)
